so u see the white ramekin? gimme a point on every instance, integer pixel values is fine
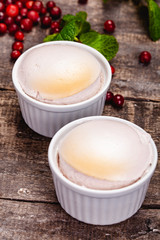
(47, 119)
(101, 207)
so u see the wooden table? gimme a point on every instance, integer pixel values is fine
(28, 205)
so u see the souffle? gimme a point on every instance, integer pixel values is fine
(60, 74)
(105, 154)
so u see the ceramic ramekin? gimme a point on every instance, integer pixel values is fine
(47, 119)
(101, 207)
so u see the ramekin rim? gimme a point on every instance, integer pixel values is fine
(55, 107)
(100, 193)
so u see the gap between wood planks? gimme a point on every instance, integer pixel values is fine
(147, 206)
(29, 201)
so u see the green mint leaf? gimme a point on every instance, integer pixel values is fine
(81, 15)
(84, 27)
(70, 30)
(80, 19)
(58, 37)
(51, 37)
(154, 20)
(68, 17)
(105, 44)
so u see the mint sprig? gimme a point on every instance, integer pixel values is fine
(79, 19)
(69, 32)
(76, 28)
(105, 44)
(154, 20)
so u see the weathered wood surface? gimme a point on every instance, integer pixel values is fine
(49, 221)
(28, 205)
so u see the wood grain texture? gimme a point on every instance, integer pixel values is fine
(29, 209)
(26, 221)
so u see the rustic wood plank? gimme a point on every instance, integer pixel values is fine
(24, 161)
(32, 221)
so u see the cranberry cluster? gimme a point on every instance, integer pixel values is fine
(116, 100)
(19, 16)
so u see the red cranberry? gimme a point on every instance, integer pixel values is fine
(29, 4)
(7, 2)
(46, 21)
(55, 12)
(23, 12)
(19, 4)
(2, 6)
(43, 11)
(145, 57)
(33, 15)
(18, 19)
(24, 2)
(15, 54)
(13, 28)
(37, 6)
(2, 16)
(12, 10)
(109, 26)
(55, 24)
(50, 4)
(109, 97)
(82, 1)
(3, 28)
(55, 30)
(118, 100)
(112, 69)
(8, 20)
(55, 27)
(17, 46)
(19, 36)
(26, 24)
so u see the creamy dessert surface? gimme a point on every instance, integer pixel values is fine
(105, 154)
(60, 74)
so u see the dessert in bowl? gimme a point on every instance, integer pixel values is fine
(58, 82)
(101, 168)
